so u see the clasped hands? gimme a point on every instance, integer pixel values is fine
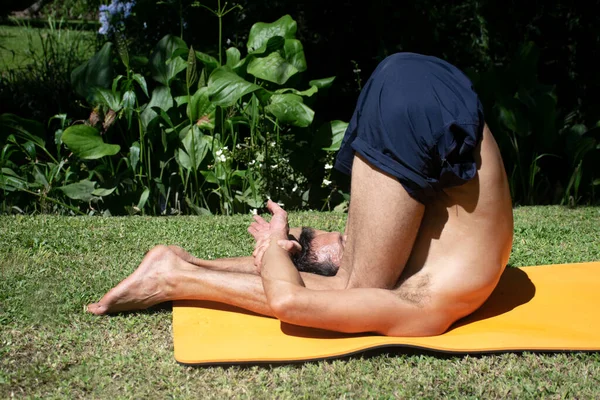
(277, 230)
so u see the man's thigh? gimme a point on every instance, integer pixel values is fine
(383, 222)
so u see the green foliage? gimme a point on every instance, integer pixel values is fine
(93, 74)
(28, 170)
(544, 150)
(200, 137)
(86, 143)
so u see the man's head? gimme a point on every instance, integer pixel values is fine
(321, 252)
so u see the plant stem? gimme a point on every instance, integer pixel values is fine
(180, 20)
(220, 16)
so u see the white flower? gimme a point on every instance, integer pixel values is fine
(254, 211)
(328, 166)
(252, 162)
(222, 158)
(326, 182)
(228, 41)
(295, 187)
(220, 152)
(238, 146)
(273, 144)
(273, 166)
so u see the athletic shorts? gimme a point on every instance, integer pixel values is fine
(419, 120)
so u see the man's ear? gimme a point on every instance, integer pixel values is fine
(291, 246)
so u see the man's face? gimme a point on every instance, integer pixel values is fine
(328, 246)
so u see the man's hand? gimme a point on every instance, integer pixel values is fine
(278, 228)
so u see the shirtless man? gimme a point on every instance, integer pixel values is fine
(429, 228)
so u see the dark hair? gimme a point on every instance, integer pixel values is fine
(306, 260)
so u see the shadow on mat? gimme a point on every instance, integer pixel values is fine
(514, 289)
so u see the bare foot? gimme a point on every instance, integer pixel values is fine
(148, 285)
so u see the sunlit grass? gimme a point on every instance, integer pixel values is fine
(19, 44)
(50, 267)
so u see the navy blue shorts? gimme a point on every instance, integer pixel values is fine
(419, 120)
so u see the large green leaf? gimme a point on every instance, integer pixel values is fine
(142, 82)
(82, 190)
(103, 192)
(196, 147)
(290, 109)
(294, 54)
(109, 98)
(86, 143)
(134, 154)
(336, 129)
(322, 83)
(10, 181)
(95, 73)
(143, 199)
(233, 57)
(308, 92)
(210, 63)
(161, 98)
(261, 32)
(163, 67)
(281, 65)
(225, 87)
(272, 68)
(514, 117)
(201, 110)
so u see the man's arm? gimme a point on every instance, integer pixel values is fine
(350, 310)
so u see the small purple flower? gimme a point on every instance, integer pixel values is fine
(112, 16)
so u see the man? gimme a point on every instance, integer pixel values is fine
(429, 228)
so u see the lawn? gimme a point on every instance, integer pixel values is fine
(19, 43)
(50, 267)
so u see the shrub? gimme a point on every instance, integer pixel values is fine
(203, 135)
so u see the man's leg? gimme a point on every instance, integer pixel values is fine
(383, 222)
(166, 275)
(233, 264)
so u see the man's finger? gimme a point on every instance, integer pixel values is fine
(274, 208)
(260, 220)
(260, 252)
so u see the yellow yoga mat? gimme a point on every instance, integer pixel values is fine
(542, 308)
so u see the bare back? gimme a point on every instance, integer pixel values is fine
(465, 239)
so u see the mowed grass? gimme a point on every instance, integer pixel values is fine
(50, 267)
(19, 44)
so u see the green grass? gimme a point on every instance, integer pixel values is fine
(50, 267)
(18, 44)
